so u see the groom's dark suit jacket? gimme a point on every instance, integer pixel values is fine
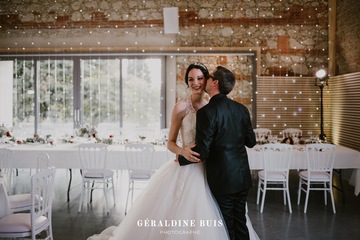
(223, 129)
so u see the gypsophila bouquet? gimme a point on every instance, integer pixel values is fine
(87, 131)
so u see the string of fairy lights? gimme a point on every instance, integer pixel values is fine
(304, 39)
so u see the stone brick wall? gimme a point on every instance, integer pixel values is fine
(292, 35)
(347, 36)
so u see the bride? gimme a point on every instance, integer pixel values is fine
(177, 202)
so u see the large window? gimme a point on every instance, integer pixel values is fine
(54, 96)
(100, 94)
(123, 94)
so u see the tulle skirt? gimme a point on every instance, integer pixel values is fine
(176, 204)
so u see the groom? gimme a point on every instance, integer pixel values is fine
(223, 129)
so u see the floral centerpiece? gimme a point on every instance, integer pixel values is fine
(4, 132)
(108, 140)
(36, 139)
(87, 131)
(6, 135)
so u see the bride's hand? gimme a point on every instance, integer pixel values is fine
(190, 155)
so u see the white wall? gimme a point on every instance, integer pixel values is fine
(6, 90)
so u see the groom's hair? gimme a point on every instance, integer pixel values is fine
(226, 79)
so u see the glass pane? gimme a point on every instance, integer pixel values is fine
(141, 95)
(23, 99)
(100, 95)
(55, 101)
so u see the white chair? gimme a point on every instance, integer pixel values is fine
(18, 225)
(275, 176)
(139, 158)
(319, 173)
(42, 162)
(22, 202)
(6, 162)
(95, 175)
(262, 133)
(292, 132)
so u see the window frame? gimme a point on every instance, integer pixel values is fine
(78, 119)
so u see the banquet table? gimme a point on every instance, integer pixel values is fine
(66, 156)
(345, 158)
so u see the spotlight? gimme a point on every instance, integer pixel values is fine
(321, 79)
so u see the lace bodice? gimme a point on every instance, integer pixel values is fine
(188, 125)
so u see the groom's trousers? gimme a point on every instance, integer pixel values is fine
(233, 209)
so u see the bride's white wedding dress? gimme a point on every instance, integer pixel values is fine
(176, 203)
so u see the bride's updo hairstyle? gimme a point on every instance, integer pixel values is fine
(197, 65)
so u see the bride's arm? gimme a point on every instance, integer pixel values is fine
(177, 116)
(175, 124)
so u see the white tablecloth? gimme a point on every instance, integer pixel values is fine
(345, 158)
(67, 155)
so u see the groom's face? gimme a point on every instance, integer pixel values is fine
(211, 82)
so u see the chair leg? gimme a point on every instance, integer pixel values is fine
(263, 199)
(299, 192)
(307, 196)
(332, 199)
(81, 196)
(127, 198)
(113, 190)
(105, 196)
(325, 193)
(88, 192)
(284, 193)
(92, 190)
(258, 192)
(288, 197)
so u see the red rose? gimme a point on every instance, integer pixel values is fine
(94, 135)
(35, 135)
(111, 136)
(8, 134)
(18, 142)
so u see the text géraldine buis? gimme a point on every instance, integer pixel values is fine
(180, 223)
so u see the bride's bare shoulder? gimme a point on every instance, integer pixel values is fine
(182, 105)
(180, 108)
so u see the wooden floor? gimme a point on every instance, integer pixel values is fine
(274, 223)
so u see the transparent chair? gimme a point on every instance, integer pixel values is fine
(22, 202)
(139, 158)
(17, 225)
(319, 173)
(95, 175)
(275, 176)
